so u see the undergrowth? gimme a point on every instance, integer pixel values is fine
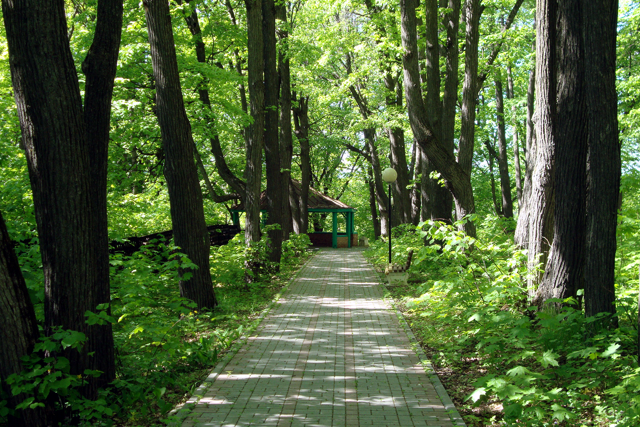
(502, 361)
(164, 346)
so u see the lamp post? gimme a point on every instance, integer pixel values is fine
(389, 175)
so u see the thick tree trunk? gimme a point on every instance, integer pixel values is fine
(503, 162)
(541, 200)
(54, 135)
(436, 200)
(286, 136)
(469, 92)
(564, 273)
(458, 181)
(253, 166)
(271, 143)
(301, 123)
(100, 69)
(600, 22)
(18, 329)
(187, 212)
(443, 199)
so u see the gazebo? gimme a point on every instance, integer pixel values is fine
(318, 202)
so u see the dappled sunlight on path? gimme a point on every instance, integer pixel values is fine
(331, 353)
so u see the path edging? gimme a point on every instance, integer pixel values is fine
(455, 416)
(181, 411)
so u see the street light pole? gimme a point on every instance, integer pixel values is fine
(389, 223)
(389, 175)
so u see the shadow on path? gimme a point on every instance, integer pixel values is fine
(330, 353)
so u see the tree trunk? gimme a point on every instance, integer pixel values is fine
(275, 195)
(377, 229)
(54, 135)
(415, 189)
(381, 195)
(600, 22)
(457, 180)
(516, 145)
(402, 201)
(564, 273)
(443, 199)
(301, 123)
(187, 212)
(521, 236)
(436, 200)
(503, 162)
(99, 68)
(469, 92)
(541, 199)
(253, 166)
(18, 329)
(286, 136)
(496, 207)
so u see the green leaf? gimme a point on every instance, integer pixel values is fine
(74, 339)
(613, 349)
(513, 411)
(549, 359)
(477, 394)
(517, 371)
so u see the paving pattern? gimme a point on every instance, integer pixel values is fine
(331, 352)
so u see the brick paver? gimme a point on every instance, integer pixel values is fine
(332, 352)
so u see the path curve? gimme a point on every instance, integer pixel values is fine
(331, 352)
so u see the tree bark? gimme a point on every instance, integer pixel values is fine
(381, 195)
(604, 164)
(457, 180)
(564, 273)
(301, 123)
(443, 205)
(274, 192)
(286, 136)
(54, 134)
(377, 229)
(187, 211)
(398, 157)
(436, 200)
(503, 162)
(516, 145)
(469, 92)
(542, 196)
(99, 68)
(496, 207)
(521, 236)
(253, 166)
(18, 329)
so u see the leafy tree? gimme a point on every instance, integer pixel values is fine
(56, 139)
(187, 214)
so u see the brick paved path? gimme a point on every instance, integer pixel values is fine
(330, 353)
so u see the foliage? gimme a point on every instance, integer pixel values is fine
(47, 381)
(164, 346)
(467, 303)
